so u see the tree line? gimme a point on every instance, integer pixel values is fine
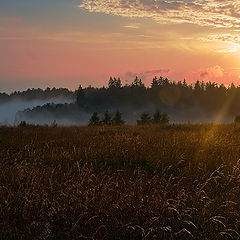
(163, 94)
(38, 94)
(201, 101)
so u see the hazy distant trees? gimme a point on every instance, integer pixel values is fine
(94, 120)
(80, 96)
(200, 99)
(158, 118)
(117, 119)
(107, 119)
(145, 118)
(38, 94)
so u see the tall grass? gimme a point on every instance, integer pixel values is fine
(145, 182)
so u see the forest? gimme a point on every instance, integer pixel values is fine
(197, 103)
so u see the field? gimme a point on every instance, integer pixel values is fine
(133, 182)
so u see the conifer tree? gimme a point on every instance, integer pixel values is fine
(107, 119)
(157, 116)
(144, 119)
(117, 120)
(94, 120)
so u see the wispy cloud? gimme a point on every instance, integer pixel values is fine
(132, 26)
(218, 13)
(230, 42)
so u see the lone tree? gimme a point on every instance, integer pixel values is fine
(117, 119)
(145, 119)
(107, 119)
(94, 120)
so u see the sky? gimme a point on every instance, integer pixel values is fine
(64, 43)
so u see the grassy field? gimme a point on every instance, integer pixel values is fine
(145, 182)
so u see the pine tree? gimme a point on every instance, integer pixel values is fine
(157, 116)
(164, 119)
(137, 82)
(94, 120)
(80, 95)
(114, 83)
(155, 83)
(145, 119)
(117, 120)
(107, 119)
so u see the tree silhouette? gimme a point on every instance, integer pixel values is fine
(144, 119)
(200, 100)
(137, 82)
(117, 119)
(80, 96)
(157, 116)
(164, 119)
(155, 83)
(94, 120)
(107, 119)
(114, 83)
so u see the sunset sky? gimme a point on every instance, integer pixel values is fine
(64, 43)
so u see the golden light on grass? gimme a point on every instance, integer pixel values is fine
(119, 182)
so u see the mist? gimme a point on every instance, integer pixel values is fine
(183, 103)
(9, 109)
(73, 115)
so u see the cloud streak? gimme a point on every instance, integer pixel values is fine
(217, 13)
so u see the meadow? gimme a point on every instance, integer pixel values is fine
(129, 182)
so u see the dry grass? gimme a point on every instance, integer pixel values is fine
(172, 182)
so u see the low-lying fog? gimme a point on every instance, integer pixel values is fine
(8, 110)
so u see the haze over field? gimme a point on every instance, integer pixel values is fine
(8, 110)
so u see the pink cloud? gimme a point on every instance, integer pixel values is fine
(214, 74)
(146, 76)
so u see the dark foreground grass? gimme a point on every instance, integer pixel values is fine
(172, 182)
